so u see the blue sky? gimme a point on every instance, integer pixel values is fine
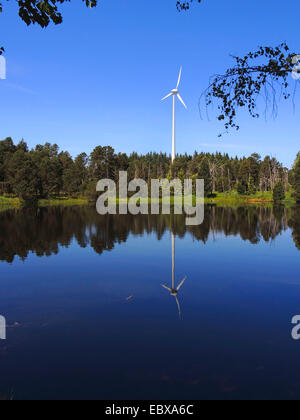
(98, 78)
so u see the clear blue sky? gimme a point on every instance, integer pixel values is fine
(98, 78)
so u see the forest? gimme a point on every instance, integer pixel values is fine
(47, 172)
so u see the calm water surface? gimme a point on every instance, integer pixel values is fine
(88, 318)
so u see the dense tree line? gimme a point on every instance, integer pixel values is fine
(45, 172)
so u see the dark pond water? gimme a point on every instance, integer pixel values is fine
(88, 318)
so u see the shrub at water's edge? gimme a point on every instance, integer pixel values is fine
(9, 203)
(278, 193)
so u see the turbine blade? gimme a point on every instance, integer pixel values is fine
(170, 94)
(179, 309)
(167, 288)
(181, 100)
(179, 78)
(179, 286)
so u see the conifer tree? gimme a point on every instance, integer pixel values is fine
(251, 186)
(296, 179)
(204, 173)
(242, 187)
(278, 192)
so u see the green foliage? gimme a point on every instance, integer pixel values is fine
(90, 191)
(103, 161)
(251, 186)
(46, 172)
(242, 187)
(62, 201)
(9, 203)
(75, 175)
(233, 199)
(289, 188)
(296, 179)
(181, 175)
(278, 192)
(22, 174)
(204, 173)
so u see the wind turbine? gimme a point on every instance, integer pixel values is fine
(175, 93)
(174, 291)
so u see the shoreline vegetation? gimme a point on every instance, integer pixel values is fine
(45, 176)
(228, 199)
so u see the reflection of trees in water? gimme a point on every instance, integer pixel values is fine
(294, 224)
(42, 231)
(249, 223)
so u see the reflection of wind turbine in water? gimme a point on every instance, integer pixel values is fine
(174, 291)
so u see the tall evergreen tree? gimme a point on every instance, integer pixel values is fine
(204, 173)
(296, 179)
(23, 175)
(251, 186)
(278, 192)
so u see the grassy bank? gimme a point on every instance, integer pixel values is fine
(63, 201)
(14, 203)
(9, 203)
(232, 198)
(229, 199)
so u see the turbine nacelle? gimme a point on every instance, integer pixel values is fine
(175, 92)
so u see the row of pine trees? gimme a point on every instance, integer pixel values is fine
(45, 172)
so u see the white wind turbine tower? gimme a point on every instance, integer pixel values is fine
(175, 93)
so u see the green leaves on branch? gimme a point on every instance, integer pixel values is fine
(265, 72)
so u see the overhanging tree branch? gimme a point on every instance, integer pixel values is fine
(42, 12)
(267, 72)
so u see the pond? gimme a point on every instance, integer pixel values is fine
(94, 311)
